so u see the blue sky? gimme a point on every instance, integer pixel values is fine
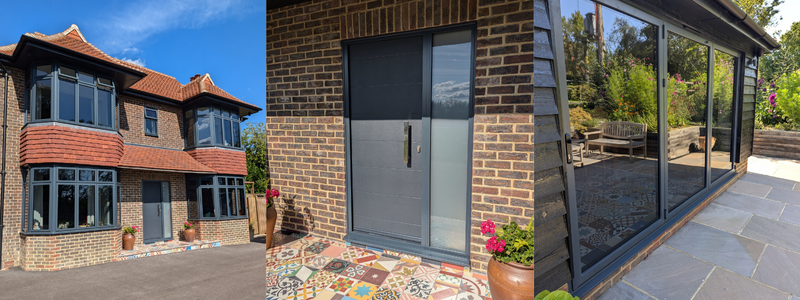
(180, 38)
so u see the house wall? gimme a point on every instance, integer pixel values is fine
(13, 206)
(66, 251)
(304, 115)
(230, 232)
(131, 123)
(131, 202)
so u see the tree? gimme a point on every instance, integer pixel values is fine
(785, 59)
(764, 12)
(254, 140)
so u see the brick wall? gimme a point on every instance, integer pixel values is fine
(223, 161)
(304, 105)
(66, 251)
(131, 202)
(230, 232)
(131, 123)
(13, 189)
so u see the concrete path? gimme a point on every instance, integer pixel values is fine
(744, 245)
(227, 272)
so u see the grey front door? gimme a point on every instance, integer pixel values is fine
(156, 211)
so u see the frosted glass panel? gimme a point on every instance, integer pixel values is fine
(166, 212)
(450, 139)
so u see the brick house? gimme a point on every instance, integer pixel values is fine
(401, 124)
(682, 139)
(94, 143)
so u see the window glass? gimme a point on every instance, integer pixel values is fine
(203, 130)
(235, 115)
(202, 111)
(218, 137)
(239, 181)
(207, 181)
(722, 115)
(66, 100)
(221, 180)
(66, 174)
(41, 207)
(43, 100)
(43, 70)
(150, 127)
(223, 202)
(86, 175)
(207, 195)
(86, 104)
(104, 108)
(226, 114)
(231, 181)
(41, 175)
(237, 140)
(232, 201)
(67, 71)
(150, 113)
(85, 77)
(217, 112)
(105, 81)
(86, 205)
(105, 176)
(106, 200)
(228, 136)
(242, 203)
(66, 206)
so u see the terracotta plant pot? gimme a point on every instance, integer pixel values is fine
(128, 240)
(702, 143)
(511, 281)
(188, 235)
(272, 217)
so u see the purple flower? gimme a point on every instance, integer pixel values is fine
(764, 90)
(772, 97)
(772, 85)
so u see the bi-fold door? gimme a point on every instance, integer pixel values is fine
(408, 111)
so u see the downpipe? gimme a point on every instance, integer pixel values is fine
(3, 170)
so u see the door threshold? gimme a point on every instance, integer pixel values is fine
(371, 240)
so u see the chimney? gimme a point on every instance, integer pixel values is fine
(194, 77)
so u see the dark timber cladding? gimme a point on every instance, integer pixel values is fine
(552, 252)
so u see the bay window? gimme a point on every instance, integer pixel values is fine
(216, 197)
(212, 126)
(65, 94)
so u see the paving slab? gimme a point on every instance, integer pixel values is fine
(787, 174)
(785, 196)
(759, 206)
(724, 284)
(774, 232)
(732, 252)
(623, 291)
(791, 214)
(780, 269)
(723, 217)
(768, 180)
(749, 188)
(669, 274)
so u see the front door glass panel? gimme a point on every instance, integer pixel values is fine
(722, 115)
(611, 69)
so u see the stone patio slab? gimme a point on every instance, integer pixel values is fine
(768, 180)
(780, 269)
(781, 234)
(623, 291)
(785, 196)
(785, 173)
(723, 217)
(718, 247)
(791, 214)
(724, 284)
(669, 274)
(749, 188)
(763, 207)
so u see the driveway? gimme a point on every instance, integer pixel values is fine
(227, 272)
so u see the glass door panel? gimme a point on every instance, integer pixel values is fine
(687, 93)
(722, 114)
(451, 63)
(611, 70)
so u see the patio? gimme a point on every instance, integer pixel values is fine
(305, 267)
(744, 245)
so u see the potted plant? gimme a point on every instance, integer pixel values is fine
(128, 239)
(188, 231)
(557, 295)
(510, 270)
(252, 232)
(272, 215)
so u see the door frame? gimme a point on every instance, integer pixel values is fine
(583, 281)
(168, 200)
(422, 249)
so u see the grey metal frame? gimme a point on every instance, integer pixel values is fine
(583, 281)
(146, 108)
(387, 241)
(212, 126)
(216, 186)
(55, 75)
(53, 201)
(169, 199)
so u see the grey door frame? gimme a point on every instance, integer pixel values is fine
(583, 281)
(423, 248)
(168, 200)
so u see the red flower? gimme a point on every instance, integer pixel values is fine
(275, 193)
(487, 226)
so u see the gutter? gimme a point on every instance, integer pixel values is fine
(742, 17)
(3, 170)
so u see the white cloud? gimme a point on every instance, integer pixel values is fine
(137, 61)
(140, 20)
(450, 90)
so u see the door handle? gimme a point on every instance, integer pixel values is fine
(568, 146)
(406, 153)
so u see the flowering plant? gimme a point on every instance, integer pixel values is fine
(510, 242)
(130, 229)
(187, 225)
(273, 193)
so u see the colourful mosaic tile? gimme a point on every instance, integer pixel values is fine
(304, 273)
(305, 292)
(322, 279)
(350, 254)
(362, 291)
(426, 273)
(275, 250)
(419, 288)
(355, 271)
(341, 284)
(333, 251)
(316, 247)
(272, 280)
(386, 294)
(285, 288)
(448, 280)
(405, 268)
(396, 282)
(319, 261)
(474, 285)
(386, 263)
(336, 266)
(375, 276)
(287, 254)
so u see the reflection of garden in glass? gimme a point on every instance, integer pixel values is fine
(722, 114)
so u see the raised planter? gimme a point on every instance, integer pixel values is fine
(775, 143)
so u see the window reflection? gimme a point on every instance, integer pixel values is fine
(722, 114)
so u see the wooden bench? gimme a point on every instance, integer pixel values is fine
(620, 134)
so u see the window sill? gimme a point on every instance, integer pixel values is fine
(219, 219)
(153, 135)
(70, 125)
(71, 230)
(216, 146)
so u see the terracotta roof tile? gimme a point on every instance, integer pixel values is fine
(59, 144)
(228, 162)
(154, 83)
(160, 159)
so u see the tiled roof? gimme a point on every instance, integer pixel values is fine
(227, 162)
(154, 83)
(60, 144)
(160, 159)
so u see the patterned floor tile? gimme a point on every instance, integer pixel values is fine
(336, 266)
(386, 263)
(274, 250)
(305, 292)
(350, 254)
(386, 294)
(316, 248)
(274, 262)
(333, 251)
(396, 282)
(426, 273)
(362, 291)
(443, 294)
(405, 296)
(322, 279)
(304, 273)
(367, 260)
(272, 280)
(287, 254)
(287, 269)
(375, 276)
(474, 285)
(405, 268)
(448, 280)
(325, 295)
(341, 284)
(468, 296)
(452, 270)
(319, 261)
(355, 271)
(285, 288)
(419, 288)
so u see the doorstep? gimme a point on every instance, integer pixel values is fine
(166, 247)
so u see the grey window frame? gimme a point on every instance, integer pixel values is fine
(216, 189)
(53, 204)
(215, 140)
(146, 118)
(55, 76)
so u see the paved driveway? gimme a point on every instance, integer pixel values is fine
(227, 272)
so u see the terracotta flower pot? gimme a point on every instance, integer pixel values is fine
(510, 281)
(128, 240)
(272, 217)
(188, 235)
(702, 143)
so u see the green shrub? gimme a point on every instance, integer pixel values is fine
(578, 118)
(788, 96)
(557, 295)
